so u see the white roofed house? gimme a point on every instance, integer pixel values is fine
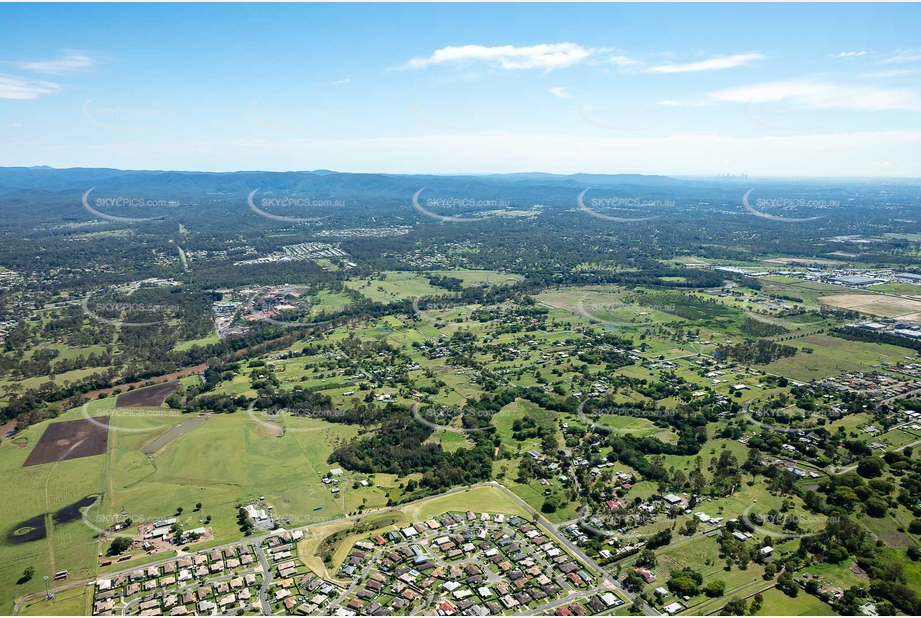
(673, 608)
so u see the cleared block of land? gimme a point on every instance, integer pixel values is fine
(875, 304)
(150, 397)
(70, 440)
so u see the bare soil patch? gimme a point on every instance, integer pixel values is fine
(150, 397)
(875, 304)
(71, 440)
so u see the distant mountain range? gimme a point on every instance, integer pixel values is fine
(318, 183)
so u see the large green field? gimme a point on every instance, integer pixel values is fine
(228, 460)
(231, 458)
(776, 603)
(394, 285)
(40, 490)
(833, 356)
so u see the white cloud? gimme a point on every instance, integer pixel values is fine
(559, 91)
(670, 102)
(822, 95)
(711, 64)
(341, 81)
(852, 54)
(71, 61)
(624, 61)
(16, 88)
(903, 55)
(548, 56)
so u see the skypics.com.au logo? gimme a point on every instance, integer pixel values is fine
(632, 203)
(792, 523)
(297, 202)
(457, 202)
(462, 118)
(785, 204)
(754, 416)
(443, 417)
(593, 310)
(296, 119)
(624, 119)
(429, 311)
(93, 309)
(127, 119)
(125, 202)
(306, 308)
(123, 524)
(617, 411)
(135, 412)
(275, 424)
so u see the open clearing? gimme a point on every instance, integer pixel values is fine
(776, 603)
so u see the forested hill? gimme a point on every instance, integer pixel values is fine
(321, 182)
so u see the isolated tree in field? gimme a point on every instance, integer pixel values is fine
(179, 511)
(198, 506)
(120, 545)
(550, 505)
(757, 602)
(27, 574)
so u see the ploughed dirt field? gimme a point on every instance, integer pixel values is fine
(71, 440)
(149, 397)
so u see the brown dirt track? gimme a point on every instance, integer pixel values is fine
(149, 397)
(70, 440)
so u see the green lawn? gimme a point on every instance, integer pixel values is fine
(230, 458)
(776, 603)
(39, 490)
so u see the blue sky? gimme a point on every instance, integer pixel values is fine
(679, 89)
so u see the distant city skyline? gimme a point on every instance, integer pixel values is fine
(789, 90)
